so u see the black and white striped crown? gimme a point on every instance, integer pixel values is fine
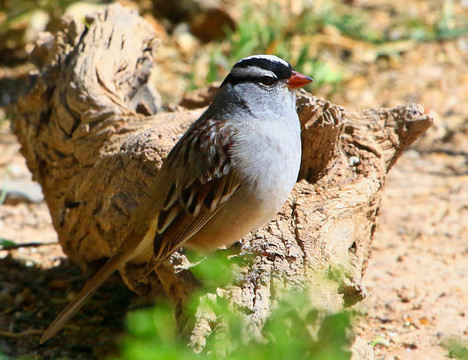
(258, 67)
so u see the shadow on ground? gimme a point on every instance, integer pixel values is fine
(31, 297)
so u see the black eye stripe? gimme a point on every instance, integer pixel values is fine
(279, 69)
(233, 80)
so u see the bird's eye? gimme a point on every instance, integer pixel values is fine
(267, 80)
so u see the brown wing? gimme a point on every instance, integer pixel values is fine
(203, 183)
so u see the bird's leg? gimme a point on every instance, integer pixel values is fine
(149, 267)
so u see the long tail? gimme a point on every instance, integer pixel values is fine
(88, 290)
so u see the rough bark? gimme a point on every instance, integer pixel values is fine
(93, 139)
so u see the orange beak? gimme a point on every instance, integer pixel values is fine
(297, 80)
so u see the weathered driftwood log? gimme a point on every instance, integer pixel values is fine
(92, 138)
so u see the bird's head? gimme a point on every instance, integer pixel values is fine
(264, 79)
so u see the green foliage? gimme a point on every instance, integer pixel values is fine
(272, 31)
(442, 29)
(288, 334)
(3, 194)
(268, 32)
(215, 269)
(294, 330)
(152, 335)
(5, 243)
(21, 10)
(379, 340)
(349, 21)
(259, 32)
(456, 348)
(18, 13)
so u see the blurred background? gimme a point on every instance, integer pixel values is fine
(362, 54)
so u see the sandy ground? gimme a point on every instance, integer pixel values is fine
(417, 278)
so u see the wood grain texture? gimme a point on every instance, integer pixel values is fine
(93, 136)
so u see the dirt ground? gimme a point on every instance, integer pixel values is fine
(418, 274)
(417, 279)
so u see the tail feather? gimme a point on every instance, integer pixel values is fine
(88, 290)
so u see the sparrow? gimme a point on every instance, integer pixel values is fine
(229, 174)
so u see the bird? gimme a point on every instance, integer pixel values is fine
(229, 174)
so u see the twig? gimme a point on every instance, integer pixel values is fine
(32, 244)
(21, 334)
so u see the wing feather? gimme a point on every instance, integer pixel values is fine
(186, 225)
(203, 184)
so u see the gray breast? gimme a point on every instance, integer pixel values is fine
(267, 154)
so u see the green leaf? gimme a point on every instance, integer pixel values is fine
(379, 340)
(6, 242)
